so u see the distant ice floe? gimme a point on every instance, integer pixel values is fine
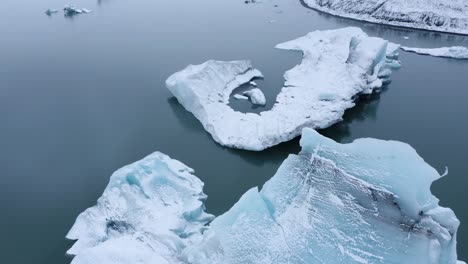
(50, 12)
(445, 16)
(364, 202)
(456, 52)
(337, 66)
(69, 10)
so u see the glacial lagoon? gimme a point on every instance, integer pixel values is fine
(82, 96)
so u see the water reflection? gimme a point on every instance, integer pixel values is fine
(365, 110)
(101, 2)
(185, 118)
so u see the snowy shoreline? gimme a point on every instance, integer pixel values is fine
(351, 10)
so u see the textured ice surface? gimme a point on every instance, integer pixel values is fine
(256, 96)
(337, 66)
(364, 202)
(147, 214)
(455, 52)
(438, 15)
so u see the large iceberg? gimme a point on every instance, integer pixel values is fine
(455, 52)
(147, 214)
(337, 66)
(364, 202)
(445, 16)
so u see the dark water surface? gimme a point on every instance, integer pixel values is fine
(81, 97)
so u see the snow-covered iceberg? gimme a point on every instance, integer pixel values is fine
(364, 202)
(455, 52)
(337, 66)
(71, 10)
(445, 16)
(147, 214)
(50, 12)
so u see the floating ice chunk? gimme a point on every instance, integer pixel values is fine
(71, 10)
(50, 12)
(253, 83)
(256, 96)
(364, 202)
(406, 37)
(337, 66)
(241, 97)
(148, 212)
(455, 52)
(436, 15)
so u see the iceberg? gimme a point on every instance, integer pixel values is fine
(364, 202)
(71, 10)
(435, 15)
(455, 52)
(368, 201)
(256, 96)
(337, 66)
(148, 212)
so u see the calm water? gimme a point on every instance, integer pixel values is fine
(82, 97)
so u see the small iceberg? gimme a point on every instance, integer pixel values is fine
(240, 97)
(364, 202)
(256, 96)
(435, 15)
(50, 12)
(337, 66)
(71, 10)
(455, 52)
